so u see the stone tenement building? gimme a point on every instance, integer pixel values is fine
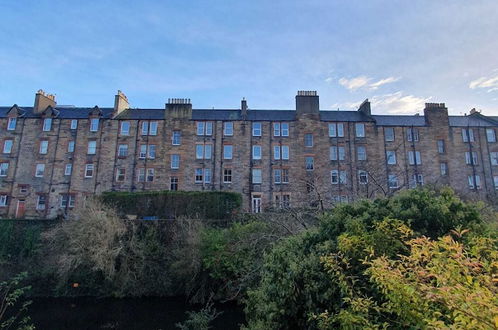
(52, 157)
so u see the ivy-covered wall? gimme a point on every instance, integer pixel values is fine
(172, 204)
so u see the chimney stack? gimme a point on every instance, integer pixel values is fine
(42, 101)
(307, 103)
(243, 108)
(436, 114)
(179, 108)
(120, 103)
(365, 108)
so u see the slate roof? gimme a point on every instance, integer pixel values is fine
(392, 120)
(474, 120)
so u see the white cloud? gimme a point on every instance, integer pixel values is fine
(397, 103)
(364, 82)
(329, 80)
(489, 83)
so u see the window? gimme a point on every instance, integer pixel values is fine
(471, 158)
(153, 128)
(285, 175)
(494, 158)
(123, 150)
(4, 169)
(141, 175)
(276, 129)
(412, 134)
(67, 200)
(74, 123)
(7, 146)
(70, 146)
(3, 200)
(228, 128)
(495, 180)
(145, 128)
(125, 128)
(282, 200)
(11, 124)
(94, 124)
(309, 163)
(173, 183)
(176, 138)
(467, 135)
(68, 169)
(199, 175)
(150, 175)
(41, 202)
(204, 128)
(40, 170)
(207, 175)
(393, 181)
(308, 140)
(227, 175)
(440, 146)
(152, 151)
(391, 157)
(92, 147)
(338, 177)
(256, 152)
(89, 170)
(47, 124)
(363, 177)
(414, 158)
(336, 130)
(361, 153)
(389, 134)
(277, 176)
(490, 135)
(443, 169)
(120, 174)
(203, 151)
(256, 175)
(43, 147)
(227, 151)
(337, 153)
(143, 151)
(175, 161)
(23, 188)
(256, 129)
(417, 179)
(284, 129)
(281, 152)
(360, 130)
(474, 181)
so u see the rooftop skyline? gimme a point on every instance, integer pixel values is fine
(398, 54)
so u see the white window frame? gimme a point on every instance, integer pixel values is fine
(493, 157)
(256, 176)
(414, 158)
(227, 151)
(153, 126)
(490, 135)
(468, 135)
(94, 124)
(68, 169)
(257, 155)
(92, 147)
(391, 157)
(41, 206)
(89, 168)
(121, 174)
(4, 168)
(336, 130)
(142, 154)
(199, 175)
(362, 153)
(43, 147)
(393, 178)
(123, 150)
(362, 174)
(228, 128)
(412, 134)
(309, 163)
(47, 124)
(257, 128)
(227, 175)
(4, 200)
(149, 174)
(145, 128)
(176, 138)
(11, 124)
(471, 158)
(7, 146)
(175, 161)
(308, 140)
(70, 146)
(359, 129)
(443, 169)
(441, 147)
(125, 128)
(389, 137)
(74, 124)
(39, 168)
(141, 174)
(207, 175)
(151, 151)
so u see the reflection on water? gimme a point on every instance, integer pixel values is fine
(128, 313)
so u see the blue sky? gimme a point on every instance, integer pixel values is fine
(399, 54)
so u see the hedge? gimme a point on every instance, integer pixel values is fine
(172, 204)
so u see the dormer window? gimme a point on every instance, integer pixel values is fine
(47, 124)
(11, 125)
(94, 124)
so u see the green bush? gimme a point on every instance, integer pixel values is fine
(173, 204)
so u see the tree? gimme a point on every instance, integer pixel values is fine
(11, 293)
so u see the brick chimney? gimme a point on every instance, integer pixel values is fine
(120, 103)
(307, 103)
(178, 109)
(365, 108)
(243, 108)
(436, 114)
(42, 101)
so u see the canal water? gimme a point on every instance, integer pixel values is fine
(127, 313)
